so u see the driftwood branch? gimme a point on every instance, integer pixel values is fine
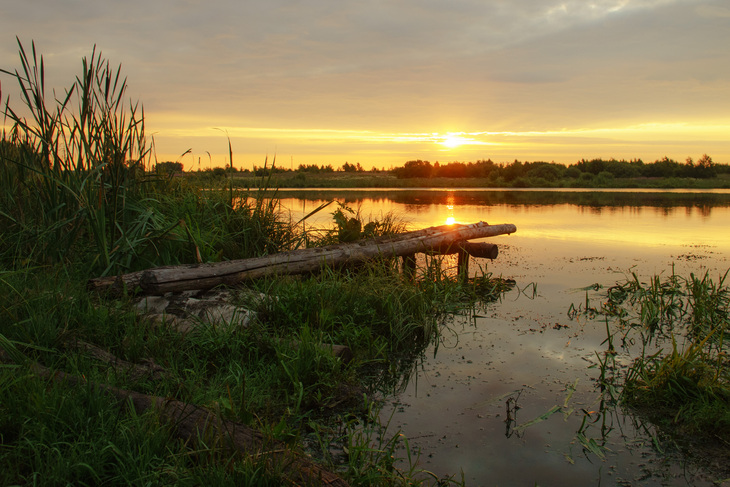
(204, 276)
(192, 424)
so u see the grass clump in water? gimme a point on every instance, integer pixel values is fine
(681, 378)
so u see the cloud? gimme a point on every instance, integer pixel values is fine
(394, 66)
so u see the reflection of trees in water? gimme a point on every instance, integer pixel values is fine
(590, 199)
(599, 200)
(704, 210)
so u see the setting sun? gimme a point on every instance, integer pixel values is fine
(452, 141)
(450, 220)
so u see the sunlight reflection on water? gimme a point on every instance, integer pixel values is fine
(641, 219)
(454, 409)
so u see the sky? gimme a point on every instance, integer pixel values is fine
(383, 82)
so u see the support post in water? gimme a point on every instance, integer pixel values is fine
(409, 265)
(463, 264)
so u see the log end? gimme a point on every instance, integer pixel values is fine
(485, 250)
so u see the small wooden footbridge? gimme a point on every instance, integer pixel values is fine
(444, 239)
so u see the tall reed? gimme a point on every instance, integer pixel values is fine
(74, 169)
(76, 185)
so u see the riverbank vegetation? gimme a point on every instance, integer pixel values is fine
(91, 392)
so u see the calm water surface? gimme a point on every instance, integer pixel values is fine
(525, 351)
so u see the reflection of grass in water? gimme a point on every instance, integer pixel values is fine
(681, 379)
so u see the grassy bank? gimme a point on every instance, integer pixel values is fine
(79, 200)
(301, 395)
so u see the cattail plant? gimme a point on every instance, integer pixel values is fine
(73, 169)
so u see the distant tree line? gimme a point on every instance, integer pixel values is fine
(306, 168)
(513, 174)
(314, 168)
(703, 168)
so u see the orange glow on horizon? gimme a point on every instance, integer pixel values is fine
(384, 149)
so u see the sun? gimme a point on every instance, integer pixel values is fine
(453, 140)
(450, 220)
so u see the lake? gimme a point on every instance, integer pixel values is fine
(495, 371)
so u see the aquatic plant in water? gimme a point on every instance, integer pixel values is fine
(680, 379)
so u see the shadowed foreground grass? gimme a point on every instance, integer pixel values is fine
(300, 394)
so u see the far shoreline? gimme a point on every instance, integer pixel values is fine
(384, 180)
(520, 190)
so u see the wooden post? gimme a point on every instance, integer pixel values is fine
(409, 266)
(463, 264)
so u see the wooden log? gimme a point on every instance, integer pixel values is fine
(194, 424)
(118, 285)
(484, 250)
(204, 276)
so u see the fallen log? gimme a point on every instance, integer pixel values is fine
(205, 276)
(194, 424)
(484, 250)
